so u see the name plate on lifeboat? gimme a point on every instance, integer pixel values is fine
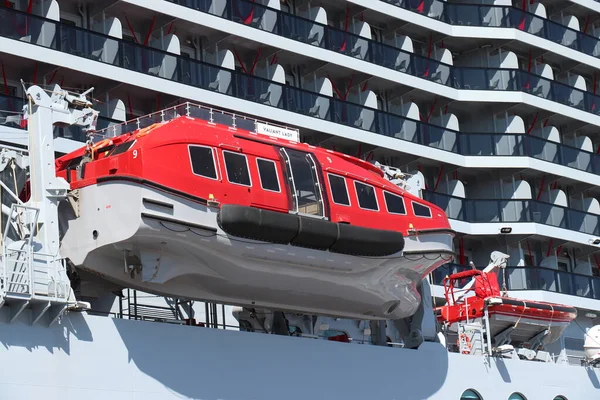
(277, 132)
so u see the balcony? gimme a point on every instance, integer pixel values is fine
(535, 278)
(307, 31)
(311, 32)
(91, 45)
(512, 211)
(496, 16)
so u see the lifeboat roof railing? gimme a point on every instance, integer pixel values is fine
(210, 114)
(233, 120)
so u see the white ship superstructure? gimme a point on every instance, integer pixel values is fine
(492, 106)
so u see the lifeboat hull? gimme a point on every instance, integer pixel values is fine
(151, 238)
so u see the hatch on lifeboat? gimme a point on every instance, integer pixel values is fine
(194, 209)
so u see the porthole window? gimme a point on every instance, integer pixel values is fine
(517, 396)
(470, 394)
(560, 398)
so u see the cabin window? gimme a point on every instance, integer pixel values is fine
(394, 203)
(516, 396)
(122, 148)
(470, 394)
(236, 165)
(366, 196)
(339, 190)
(420, 210)
(203, 161)
(267, 172)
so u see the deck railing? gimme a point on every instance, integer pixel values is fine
(314, 33)
(534, 278)
(526, 210)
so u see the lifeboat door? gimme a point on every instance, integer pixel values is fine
(303, 183)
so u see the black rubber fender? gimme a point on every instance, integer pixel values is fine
(315, 233)
(361, 241)
(258, 224)
(303, 231)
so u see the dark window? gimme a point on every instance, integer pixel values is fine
(236, 166)
(529, 260)
(339, 191)
(366, 196)
(68, 22)
(203, 162)
(122, 148)
(8, 90)
(268, 175)
(420, 210)
(394, 203)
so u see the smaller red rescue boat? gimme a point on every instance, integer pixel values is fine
(523, 323)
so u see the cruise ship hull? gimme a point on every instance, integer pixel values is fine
(86, 356)
(142, 237)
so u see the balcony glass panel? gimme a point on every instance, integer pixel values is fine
(503, 17)
(10, 110)
(151, 61)
(307, 31)
(491, 211)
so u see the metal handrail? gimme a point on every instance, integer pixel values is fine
(173, 112)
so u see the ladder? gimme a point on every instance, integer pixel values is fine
(32, 272)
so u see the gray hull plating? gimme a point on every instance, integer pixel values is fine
(95, 358)
(180, 258)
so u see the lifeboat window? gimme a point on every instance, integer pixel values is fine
(366, 196)
(339, 190)
(267, 172)
(122, 148)
(420, 210)
(394, 203)
(470, 394)
(203, 161)
(236, 166)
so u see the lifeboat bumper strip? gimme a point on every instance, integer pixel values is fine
(276, 227)
(157, 203)
(178, 221)
(155, 185)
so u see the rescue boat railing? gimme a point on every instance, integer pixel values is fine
(210, 114)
